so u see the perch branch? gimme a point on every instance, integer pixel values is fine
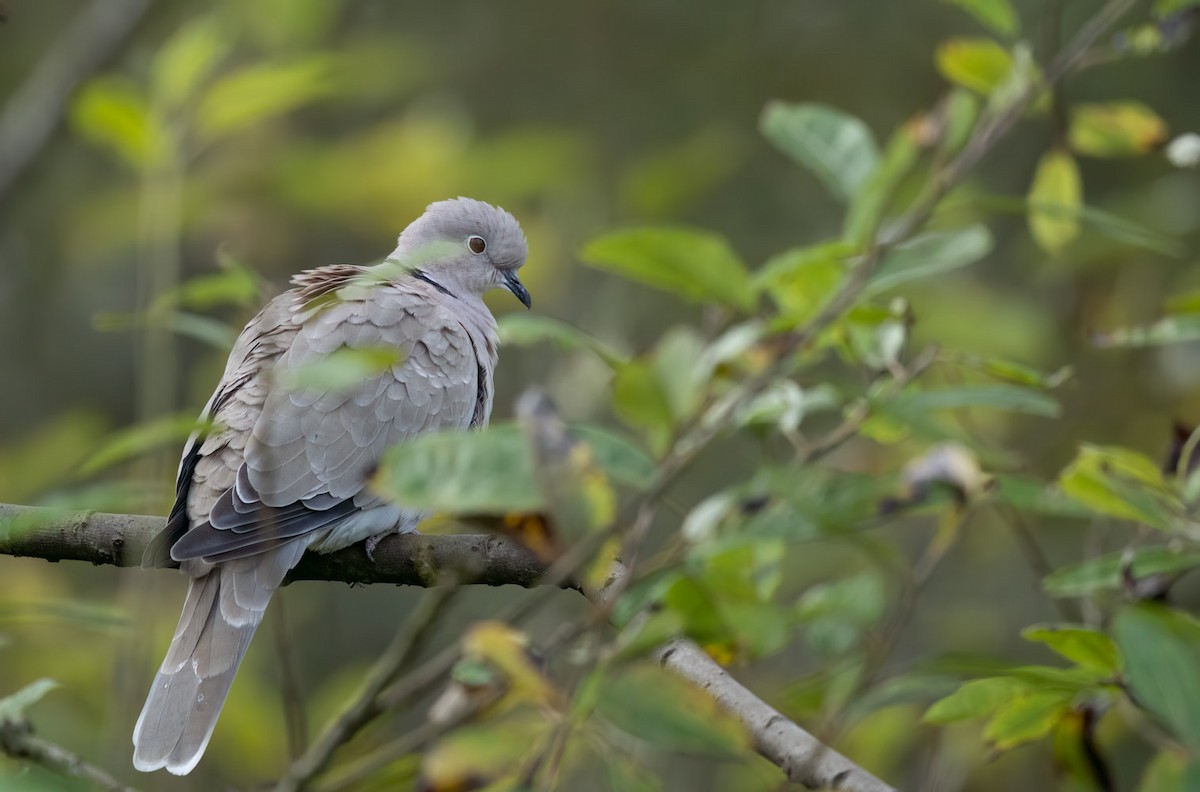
(118, 539)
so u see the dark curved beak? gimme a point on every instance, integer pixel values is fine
(516, 287)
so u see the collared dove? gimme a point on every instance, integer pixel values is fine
(284, 467)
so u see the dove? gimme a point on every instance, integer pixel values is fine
(283, 464)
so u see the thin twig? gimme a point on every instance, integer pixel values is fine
(365, 706)
(858, 415)
(18, 741)
(1034, 557)
(802, 757)
(294, 719)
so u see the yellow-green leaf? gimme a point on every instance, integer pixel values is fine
(801, 280)
(1055, 198)
(1085, 646)
(695, 265)
(1121, 483)
(112, 112)
(974, 700)
(142, 438)
(259, 93)
(1027, 717)
(976, 63)
(187, 58)
(1116, 129)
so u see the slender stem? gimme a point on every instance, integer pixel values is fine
(294, 719)
(18, 741)
(366, 705)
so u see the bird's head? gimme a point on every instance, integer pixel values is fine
(466, 247)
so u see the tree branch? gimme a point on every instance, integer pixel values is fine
(118, 539)
(804, 758)
(18, 741)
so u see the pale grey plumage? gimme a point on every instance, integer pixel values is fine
(284, 468)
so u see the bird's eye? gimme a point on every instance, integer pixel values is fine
(476, 243)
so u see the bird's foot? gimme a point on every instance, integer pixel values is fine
(371, 543)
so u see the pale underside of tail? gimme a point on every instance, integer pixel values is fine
(224, 607)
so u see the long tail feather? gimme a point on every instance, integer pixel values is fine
(224, 607)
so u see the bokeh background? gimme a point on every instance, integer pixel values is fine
(340, 120)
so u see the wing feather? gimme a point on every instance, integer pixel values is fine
(306, 452)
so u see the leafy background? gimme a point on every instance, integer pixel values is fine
(228, 145)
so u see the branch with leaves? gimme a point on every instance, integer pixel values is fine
(118, 539)
(817, 329)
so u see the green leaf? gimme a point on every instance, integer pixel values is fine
(1104, 573)
(187, 58)
(1031, 494)
(462, 472)
(666, 710)
(748, 570)
(1055, 198)
(869, 203)
(112, 112)
(129, 443)
(13, 706)
(1026, 717)
(976, 63)
(234, 285)
(975, 700)
(930, 254)
(961, 113)
(476, 755)
(1115, 129)
(618, 456)
(640, 400)
(1121, 483)
(836, 613)
(694, 265)
(997, 15)
(259, 93)
(490, 471)
(342, 369)
(683, 365)
(1016, 373)
(1085, 646)
(838, 148)
(526, 329)
(801, 280)
(1010, 398)
(1161, 647)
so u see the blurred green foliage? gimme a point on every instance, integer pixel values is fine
(997, 538)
